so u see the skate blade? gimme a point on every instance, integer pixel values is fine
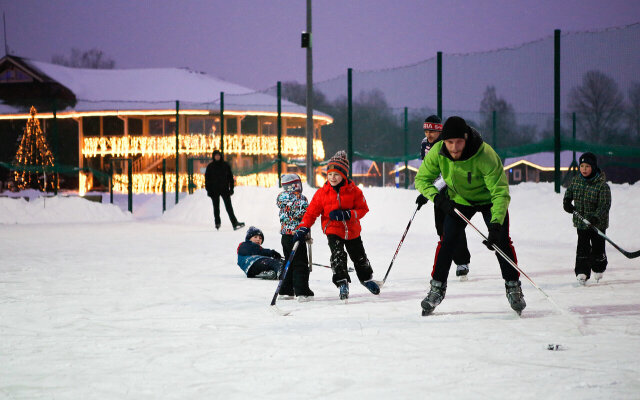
(279, 311)
(464, 278)
(426, 312)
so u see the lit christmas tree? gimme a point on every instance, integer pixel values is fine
(33, 159)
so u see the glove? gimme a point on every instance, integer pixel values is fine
(301, 234)
(568, 207)
(593, 220)
(494, 236)
(421, 200)
(340, 215)
(443, 202)
(276, 255)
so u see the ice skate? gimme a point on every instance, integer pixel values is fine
(597, 276)
(285, 297)
(434, 297)
(372, 286)
(272, 275)
(238, 225)
(461, 271)
(582, 279)
(515, 296)
(304, 295)
(344, 290)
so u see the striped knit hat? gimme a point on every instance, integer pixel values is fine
(339, 163)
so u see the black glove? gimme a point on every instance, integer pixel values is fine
(443, 202)
(568, 207)
(276, 255)
(494, 235)
(593, 220)
(421, 200)
(301, 234)
(340, 215)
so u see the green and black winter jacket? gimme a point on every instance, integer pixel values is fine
(476, 179)
(591, 198)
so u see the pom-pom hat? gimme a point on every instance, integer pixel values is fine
(339, 163)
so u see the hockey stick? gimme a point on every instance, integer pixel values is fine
(514, 265)
(350, 269)
(310, 255)
(284, 272)
(399, 245)
(628, 254)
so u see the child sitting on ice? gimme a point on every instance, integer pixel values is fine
(592, 200)
(256, 261)
(340, 205)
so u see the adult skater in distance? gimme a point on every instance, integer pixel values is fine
(461, 257)
(218, 181)
(476, 182)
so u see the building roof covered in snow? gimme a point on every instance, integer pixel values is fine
(122, 90)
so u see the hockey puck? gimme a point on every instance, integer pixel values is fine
(554, 347)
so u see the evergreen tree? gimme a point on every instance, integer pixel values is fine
(32, 158)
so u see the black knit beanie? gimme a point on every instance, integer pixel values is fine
(455, 128)
(589, 158)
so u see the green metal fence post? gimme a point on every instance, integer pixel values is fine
(222, 123)
(350, 118)
(406, 148)
(111, 184)
(279, 134)
(177, 150)
(55, 149)
(439, 83)
(164, 185)
(130, 184)
(190, 175)
(556, 109)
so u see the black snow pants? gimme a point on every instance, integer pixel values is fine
(296, 282)
(590, 253)
(355, 248)
(453, 231)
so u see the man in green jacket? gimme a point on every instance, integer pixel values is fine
(476, 182)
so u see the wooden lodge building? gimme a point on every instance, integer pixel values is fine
(104, 117)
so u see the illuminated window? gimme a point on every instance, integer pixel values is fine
(203, 126)
(162, 126)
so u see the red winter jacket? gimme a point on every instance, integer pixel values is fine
(326, 199)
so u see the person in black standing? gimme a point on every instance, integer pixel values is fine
(218, 180)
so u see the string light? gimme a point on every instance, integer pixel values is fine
(198, 145)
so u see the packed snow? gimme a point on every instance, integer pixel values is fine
(98, 303)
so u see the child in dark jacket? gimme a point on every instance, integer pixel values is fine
(293, 204)
(256, 261)
(340, 204)
(592, 200)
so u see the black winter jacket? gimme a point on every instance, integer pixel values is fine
(218, 178)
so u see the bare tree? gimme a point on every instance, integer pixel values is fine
(633, 109)
(598, 104)
(93, 59)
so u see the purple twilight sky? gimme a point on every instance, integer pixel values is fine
(255, 43)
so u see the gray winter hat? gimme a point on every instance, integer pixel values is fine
(291, 183)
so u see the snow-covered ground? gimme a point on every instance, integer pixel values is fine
(98, 304)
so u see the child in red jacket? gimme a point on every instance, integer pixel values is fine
(340, 205)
